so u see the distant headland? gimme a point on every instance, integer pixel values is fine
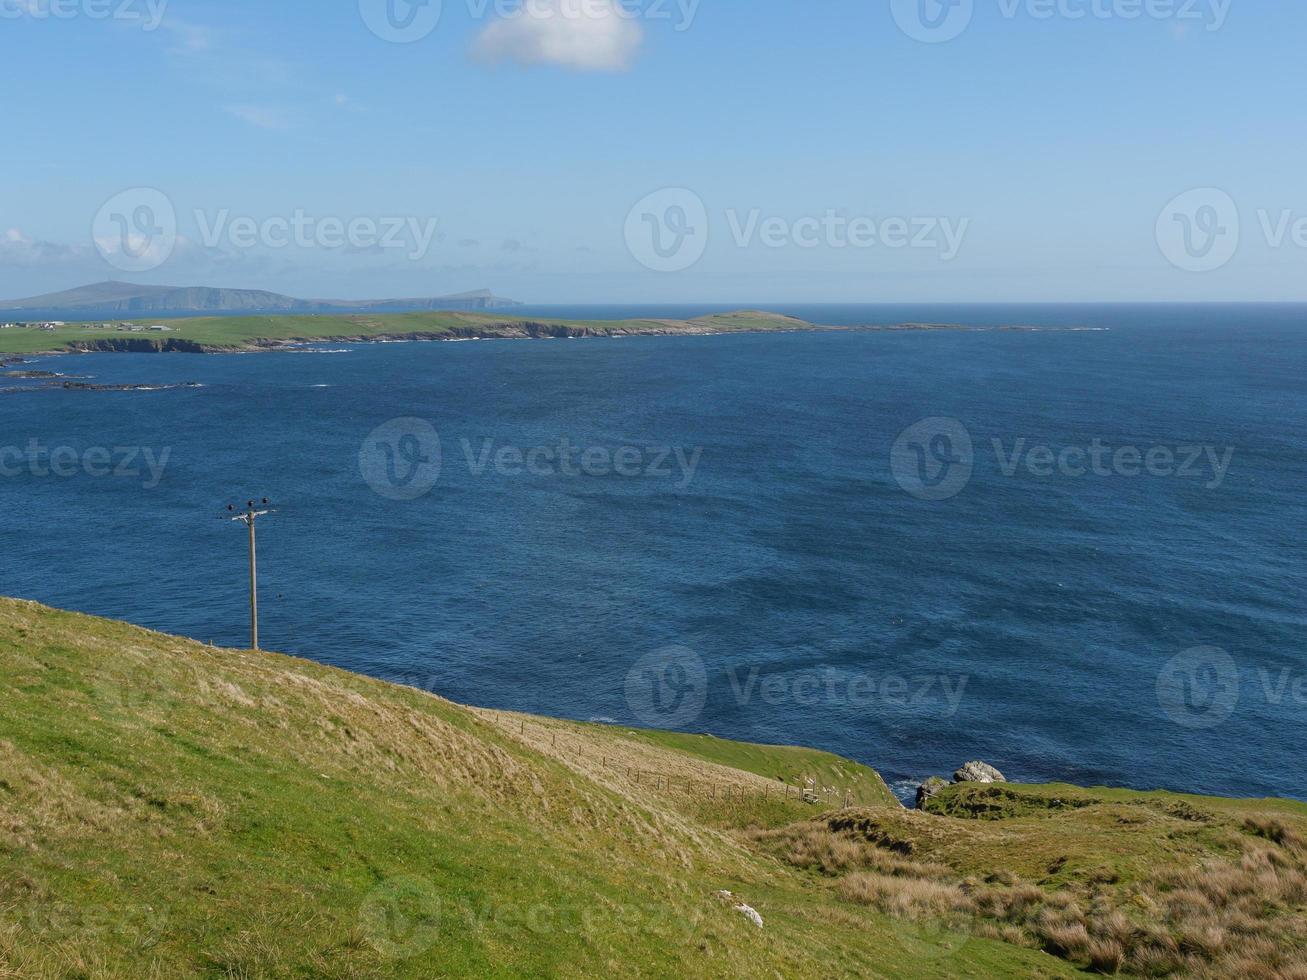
(230, 331)
(130, 299)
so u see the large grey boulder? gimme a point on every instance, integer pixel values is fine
(978, 772)
(928, 789)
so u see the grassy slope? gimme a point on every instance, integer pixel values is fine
(833, 774)
(241, 331)
(168, 808)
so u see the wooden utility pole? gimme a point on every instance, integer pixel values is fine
(248, 518)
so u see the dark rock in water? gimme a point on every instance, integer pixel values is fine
(978, 772)
(30, 375)
(928, 789)
(85, 386)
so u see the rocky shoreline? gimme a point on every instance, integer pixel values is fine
(502, 330)
(506, 330)
(971, 772)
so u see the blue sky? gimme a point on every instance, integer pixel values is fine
(814, 151)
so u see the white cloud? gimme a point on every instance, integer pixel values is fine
(583, 35)
(20, 249)
(190, 39)
(260, 116)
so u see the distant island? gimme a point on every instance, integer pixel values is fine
(125, 298)
(233, 334)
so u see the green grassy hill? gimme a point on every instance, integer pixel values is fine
(173, 809)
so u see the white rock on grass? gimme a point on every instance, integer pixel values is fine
(751, 914)
(978, 772)
(747, 911)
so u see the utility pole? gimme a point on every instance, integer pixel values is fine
(248, 518)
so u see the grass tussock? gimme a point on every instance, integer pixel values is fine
(905, 897)
(1240, 911)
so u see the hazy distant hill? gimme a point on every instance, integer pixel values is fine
(126, 298)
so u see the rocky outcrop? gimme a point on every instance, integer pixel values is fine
(928, 789)
(137, 345)
(978, 772)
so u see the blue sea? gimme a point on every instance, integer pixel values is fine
(1077, 554)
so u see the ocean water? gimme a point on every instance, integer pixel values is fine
(767, 566)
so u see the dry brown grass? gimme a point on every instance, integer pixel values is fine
(1243, 914)
(905, 898)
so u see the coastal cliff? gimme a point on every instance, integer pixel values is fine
(169, 808)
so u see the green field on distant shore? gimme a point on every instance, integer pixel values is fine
(218, 333)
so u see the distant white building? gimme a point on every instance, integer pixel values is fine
(160, 328)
